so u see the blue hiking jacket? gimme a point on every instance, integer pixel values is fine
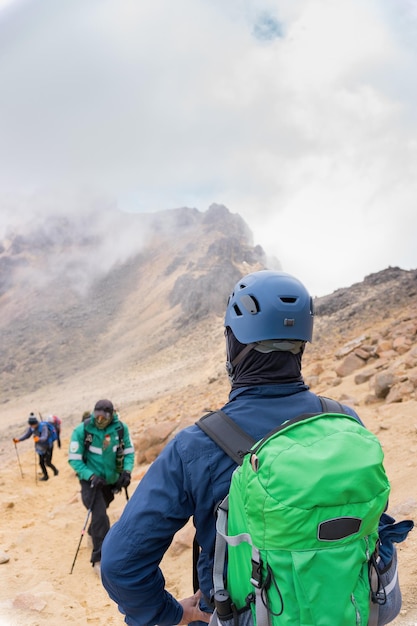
(190, 476)
(41, 431)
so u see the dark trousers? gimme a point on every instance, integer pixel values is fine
(97, 499)
(45, 460)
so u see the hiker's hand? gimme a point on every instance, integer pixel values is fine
(15, 440)
(36, 439)
(97, 482)
(192, 611)
(124, 479)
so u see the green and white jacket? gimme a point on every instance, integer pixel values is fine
(99, 456)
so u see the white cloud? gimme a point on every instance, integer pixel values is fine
(298, 115)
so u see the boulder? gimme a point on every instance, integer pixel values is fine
(153, 439)
(383, 383)
(4, 558)
(351, 363)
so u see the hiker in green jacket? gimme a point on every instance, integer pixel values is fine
(102, 455)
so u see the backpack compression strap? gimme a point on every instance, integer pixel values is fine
(222, 540)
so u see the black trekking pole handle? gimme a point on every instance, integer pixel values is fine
(84, 527)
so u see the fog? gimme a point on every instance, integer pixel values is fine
(298, 115)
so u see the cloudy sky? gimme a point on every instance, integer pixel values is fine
(300, 115)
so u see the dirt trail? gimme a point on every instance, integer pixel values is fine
(42, 523)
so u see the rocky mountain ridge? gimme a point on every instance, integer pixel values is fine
(155, 313)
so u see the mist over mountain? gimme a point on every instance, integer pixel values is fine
(104, 303)
(106, 286)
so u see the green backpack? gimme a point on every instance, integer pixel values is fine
(300, 522)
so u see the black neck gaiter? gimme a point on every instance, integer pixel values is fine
(257, 368)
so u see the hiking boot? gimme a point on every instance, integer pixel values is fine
(97, 568)
(44, 478)
(56, 471)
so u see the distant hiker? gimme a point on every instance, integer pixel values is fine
(268, 321)
(102, 455)
(57, 423)
(44, 438)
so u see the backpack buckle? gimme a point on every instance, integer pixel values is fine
(256, 577)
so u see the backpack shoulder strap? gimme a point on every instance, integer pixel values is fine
(233, 440)
(88, 438)
(329, 405)
(227, 434)
(120, 432)
(42, 424)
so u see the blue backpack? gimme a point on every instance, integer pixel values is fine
(52, 434)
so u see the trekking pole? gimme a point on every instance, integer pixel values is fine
(36, 470)
(18, 459)
(119, 490)
(83, 530)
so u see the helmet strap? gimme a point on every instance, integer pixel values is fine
(230, 365)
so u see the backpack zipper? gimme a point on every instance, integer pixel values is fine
(352, 597)
(357, 611)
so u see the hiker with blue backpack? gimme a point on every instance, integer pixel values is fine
(44, 435)
(287, 492)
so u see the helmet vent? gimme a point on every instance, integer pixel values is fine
(288, 299)
(251, 304)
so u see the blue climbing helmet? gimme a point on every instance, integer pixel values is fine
(270, 305)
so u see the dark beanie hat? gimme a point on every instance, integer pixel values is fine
(32, 419)
(104, 405)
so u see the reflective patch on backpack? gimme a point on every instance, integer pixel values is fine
(338, 528)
